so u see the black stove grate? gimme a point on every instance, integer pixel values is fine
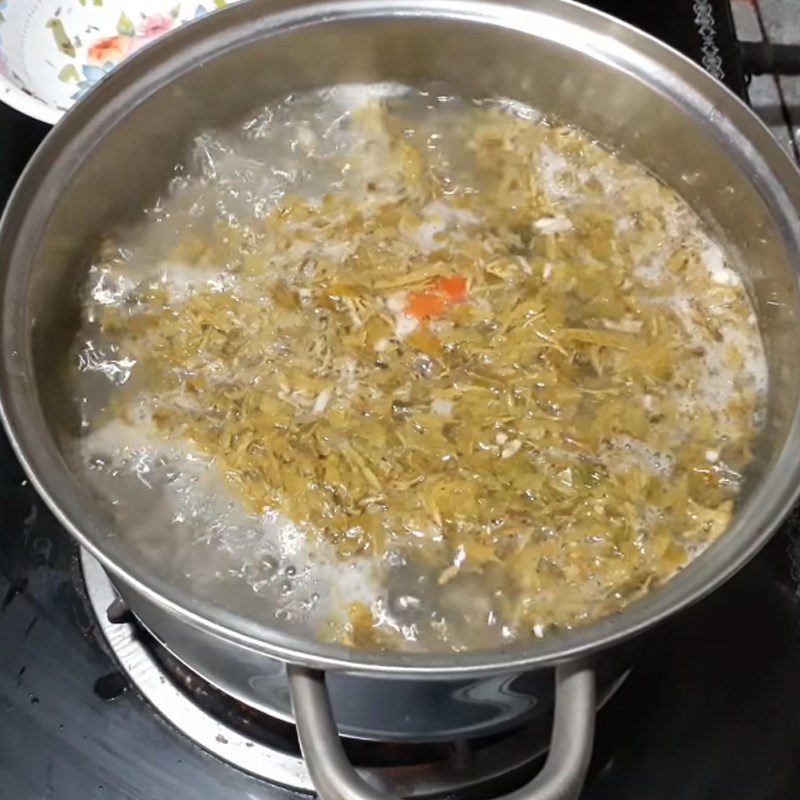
(701, 29)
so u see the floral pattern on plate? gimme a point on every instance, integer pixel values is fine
(76, 43)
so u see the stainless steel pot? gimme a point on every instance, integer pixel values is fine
(114, 151)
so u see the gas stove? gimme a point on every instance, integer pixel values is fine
(92, 707)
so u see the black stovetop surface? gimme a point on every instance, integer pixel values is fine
(712, 709)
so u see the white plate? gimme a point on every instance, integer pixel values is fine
(52, 51)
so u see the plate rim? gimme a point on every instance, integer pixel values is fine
(12, 95)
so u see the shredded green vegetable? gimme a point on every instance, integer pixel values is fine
(544, 374)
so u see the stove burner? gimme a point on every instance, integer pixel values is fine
(267, 747)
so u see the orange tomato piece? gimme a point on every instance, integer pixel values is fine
(425, 305)
(455, 288)
(433, 303)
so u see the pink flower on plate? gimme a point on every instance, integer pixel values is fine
(151, 28)
(155, 25)
(111, 48)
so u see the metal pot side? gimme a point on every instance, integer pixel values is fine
(114, 151)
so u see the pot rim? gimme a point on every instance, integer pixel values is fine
(662, 67)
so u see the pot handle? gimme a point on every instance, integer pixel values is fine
(561, 777)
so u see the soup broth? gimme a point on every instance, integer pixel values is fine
(409, 371)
